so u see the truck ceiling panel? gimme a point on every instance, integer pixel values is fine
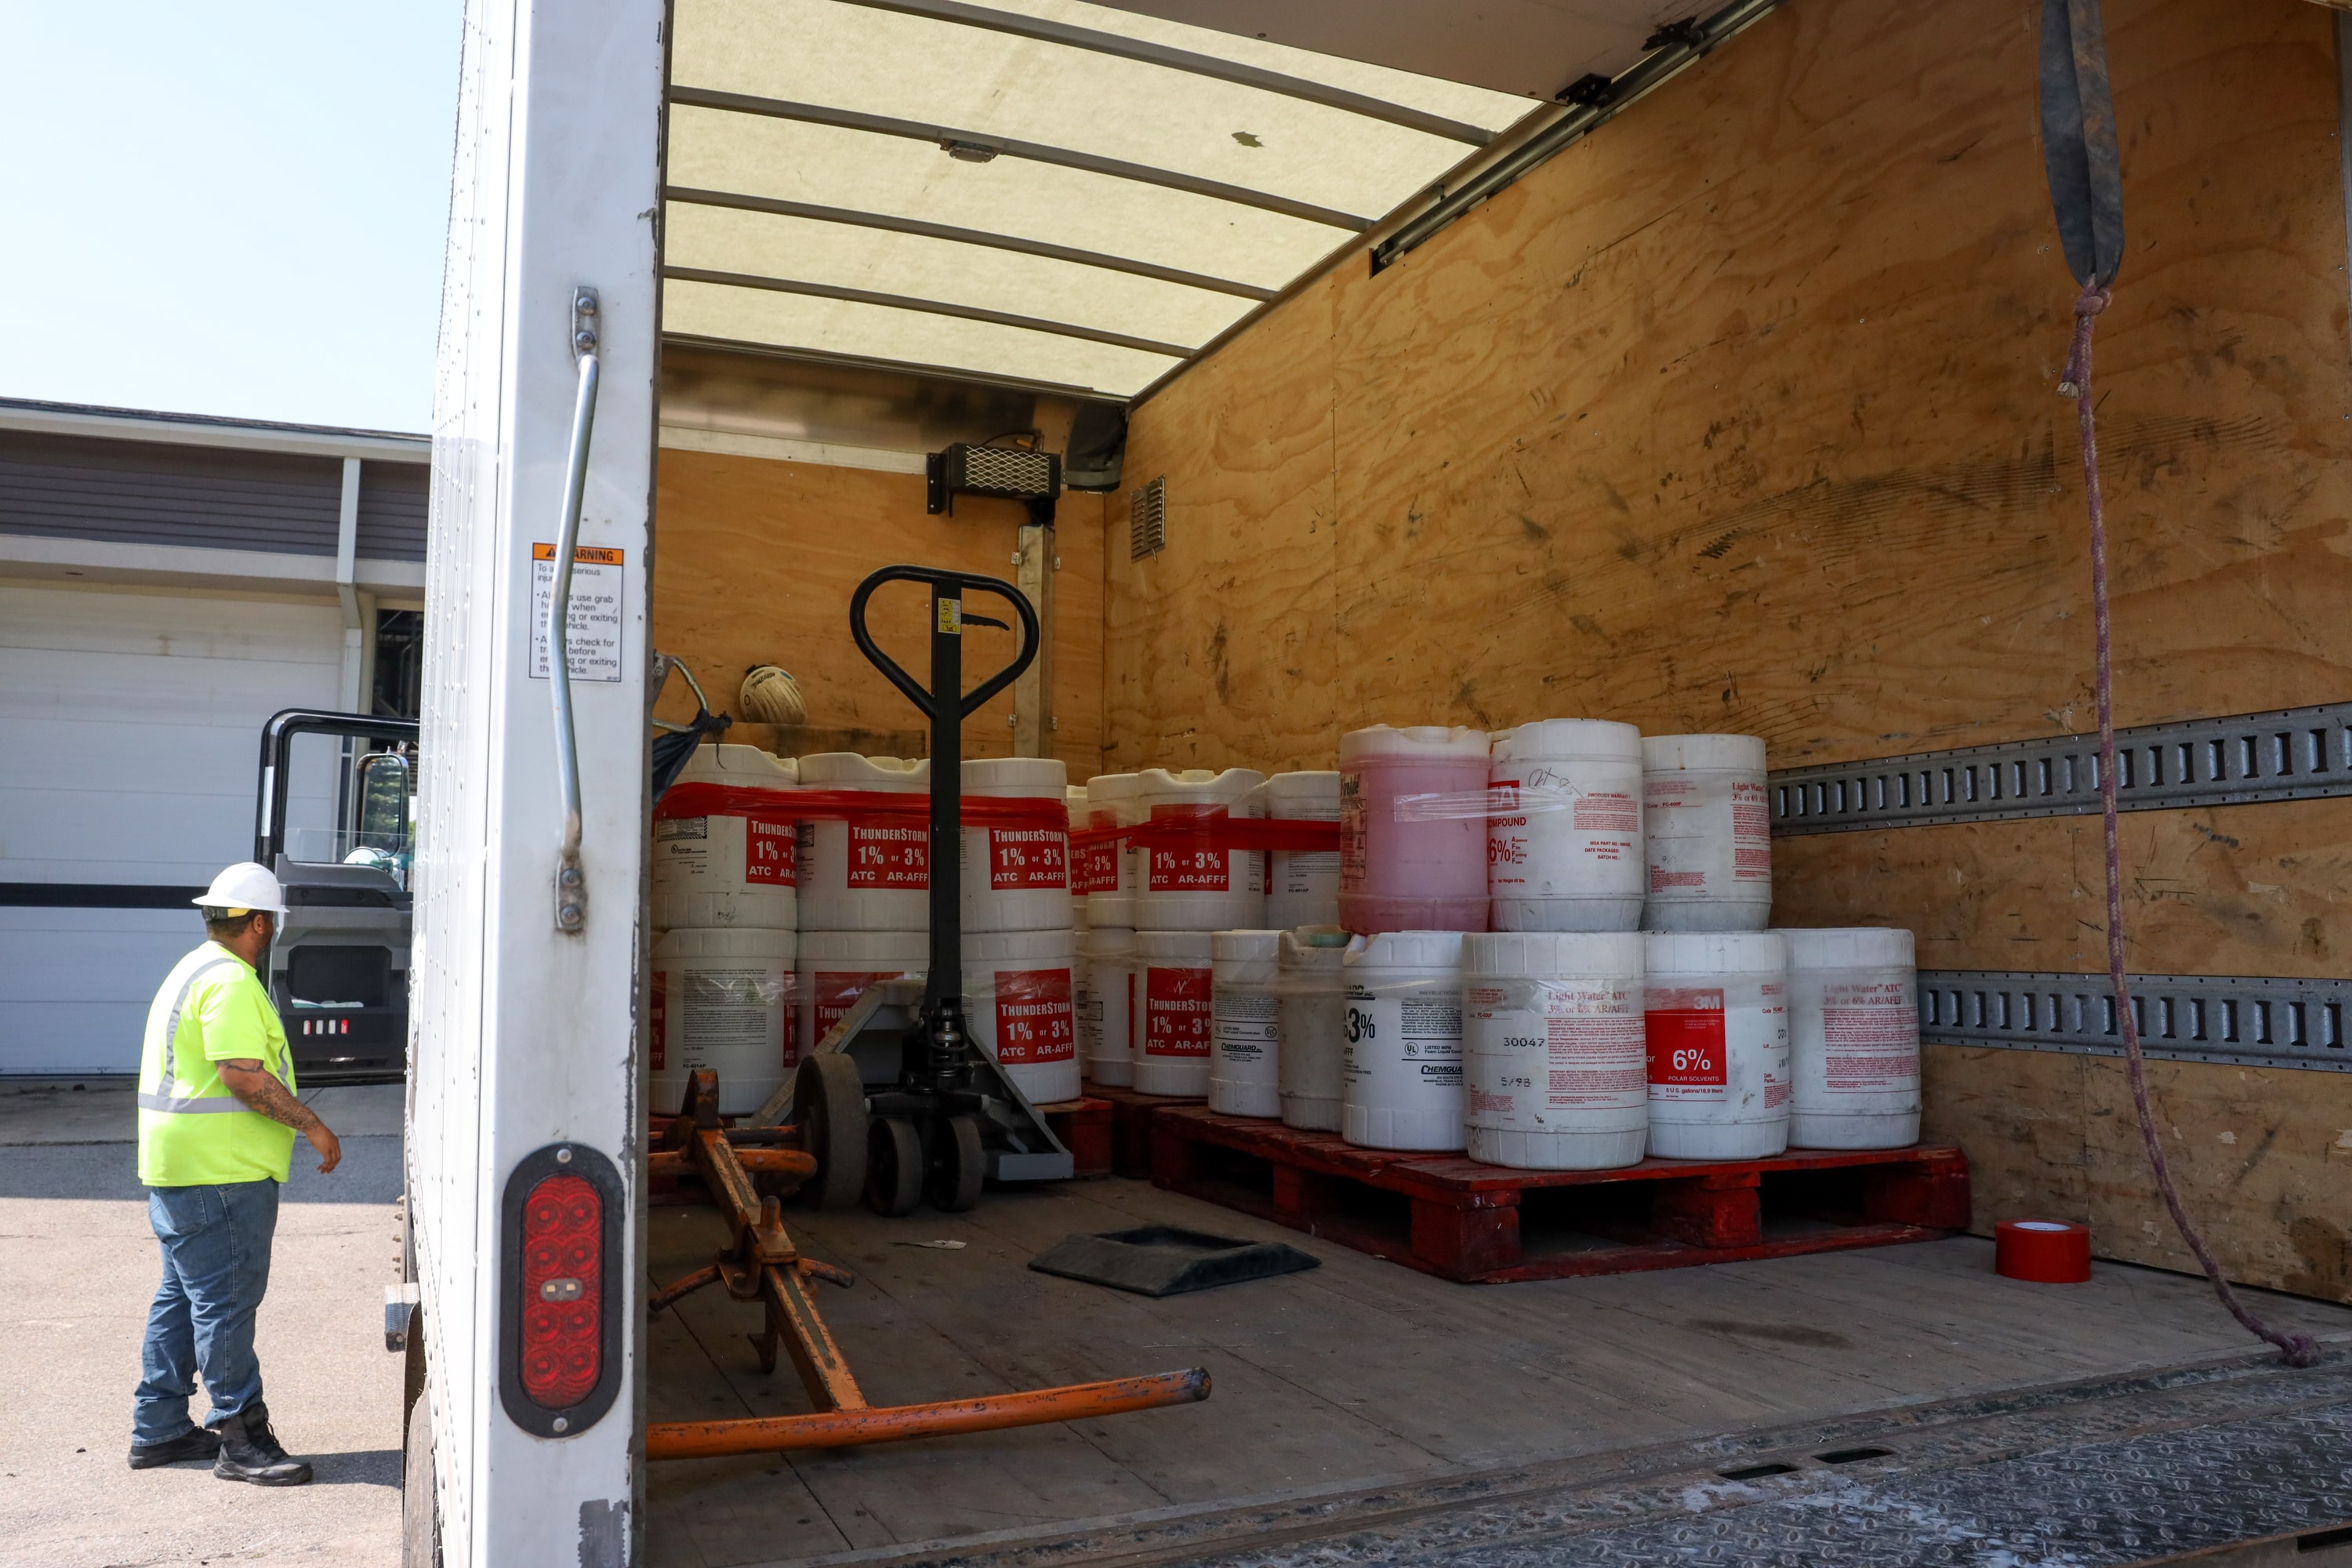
(716, 239)
(833, 328)
(1153, 180)
(1532, 48)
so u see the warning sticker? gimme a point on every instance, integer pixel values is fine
(889, 856)
(591, 634)
(769, 857)
(1025, 858)
(1871, 1030)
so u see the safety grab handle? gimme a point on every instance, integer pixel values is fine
(946, 585)
(571, 880)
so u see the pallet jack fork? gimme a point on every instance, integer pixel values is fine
(761, 1263)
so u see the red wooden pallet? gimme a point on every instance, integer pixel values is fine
(1130, 1134)
(1084, 1125)
(1454, 1217)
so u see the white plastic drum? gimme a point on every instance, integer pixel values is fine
(1017, 1004)
(1184, 887)
(1717, 1024)
(836, 966)
(721, 1002)
(1312, 1067)
(866, 876)
(1708, 832)
(1174, 1006)
(1108, 872)
(1553, 1049)
(1564, 841)
(730, 869)
(1015, 878)
(1854, 1038)
(1404, 1035)
(1245, 1073)
(1107, 1006)
(1302, 886)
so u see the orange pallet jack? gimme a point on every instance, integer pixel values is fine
(763, 1264)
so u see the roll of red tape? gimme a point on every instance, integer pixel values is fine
(2045, 1251)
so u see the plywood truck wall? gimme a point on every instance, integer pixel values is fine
(1740, 415)
(754, 560)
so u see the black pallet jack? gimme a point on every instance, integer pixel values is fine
(898, 1102)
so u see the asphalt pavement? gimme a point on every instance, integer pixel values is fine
(77, 1267)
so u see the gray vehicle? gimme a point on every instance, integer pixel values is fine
(339, 968)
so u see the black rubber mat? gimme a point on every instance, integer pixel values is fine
(1163, 1260)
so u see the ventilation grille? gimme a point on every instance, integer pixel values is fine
(1016, 473)
(1147, 519)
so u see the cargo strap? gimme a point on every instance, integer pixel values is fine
(186, 1105)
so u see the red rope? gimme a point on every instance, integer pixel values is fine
(2297, 1350)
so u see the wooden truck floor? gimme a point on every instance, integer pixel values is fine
(1362, 1396)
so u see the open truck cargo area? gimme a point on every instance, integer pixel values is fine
(1230, 380)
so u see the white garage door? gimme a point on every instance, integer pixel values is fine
(130, 733)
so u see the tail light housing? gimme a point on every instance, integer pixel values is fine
(561, 1291)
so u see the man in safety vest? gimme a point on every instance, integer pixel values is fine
(217, 1122)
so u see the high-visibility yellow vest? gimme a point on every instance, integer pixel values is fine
(192, 1130)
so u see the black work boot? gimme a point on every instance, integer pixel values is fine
(195, 1443)
(250, 1451)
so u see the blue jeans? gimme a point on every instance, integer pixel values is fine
(215, 1267)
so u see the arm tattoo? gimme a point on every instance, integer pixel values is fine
(269, 1098)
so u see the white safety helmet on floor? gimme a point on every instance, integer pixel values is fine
(248, 884)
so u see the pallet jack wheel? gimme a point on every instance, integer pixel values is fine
(829, 1107)
(894, 1167)
(958, 1164)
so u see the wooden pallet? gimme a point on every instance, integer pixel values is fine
(1131, 1135)
(1454, 1217)
(1085, 1127)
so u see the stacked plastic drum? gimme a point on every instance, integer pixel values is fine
(1716, 1025)
(1555, 1054)
(1018, 943)
(1412, 829)
(1708, 832)
(1402, 1058)
(1245, 1020)
(1186, 890)
(1302, 886)
(724, 896)
(1106, 876)
(1312, 1018)
(1564, 841)
(865, 889)
(1854, 1038)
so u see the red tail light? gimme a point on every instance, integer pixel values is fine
(562, 1255)
(561, 1289)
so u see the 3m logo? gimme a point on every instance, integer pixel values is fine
(1685, 1043)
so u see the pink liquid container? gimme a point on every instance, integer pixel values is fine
(1412, 829)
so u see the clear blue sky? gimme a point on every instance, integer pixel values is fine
(232, 208)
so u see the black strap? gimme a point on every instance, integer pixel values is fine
(2078, 140)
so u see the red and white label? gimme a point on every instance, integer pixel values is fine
(1751, 833)
(837, 991)
(1095, 869)
(1870, 1036)
(770, 858)
(1177, 1010)
(657, 1020)
(1033, 1020)
(1685, 1039)
(889, 856)
(1021, 858)
(1187, 867)
(1353, 849)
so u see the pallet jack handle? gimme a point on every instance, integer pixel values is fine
(947, 705)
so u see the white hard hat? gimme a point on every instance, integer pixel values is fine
(248, 884)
